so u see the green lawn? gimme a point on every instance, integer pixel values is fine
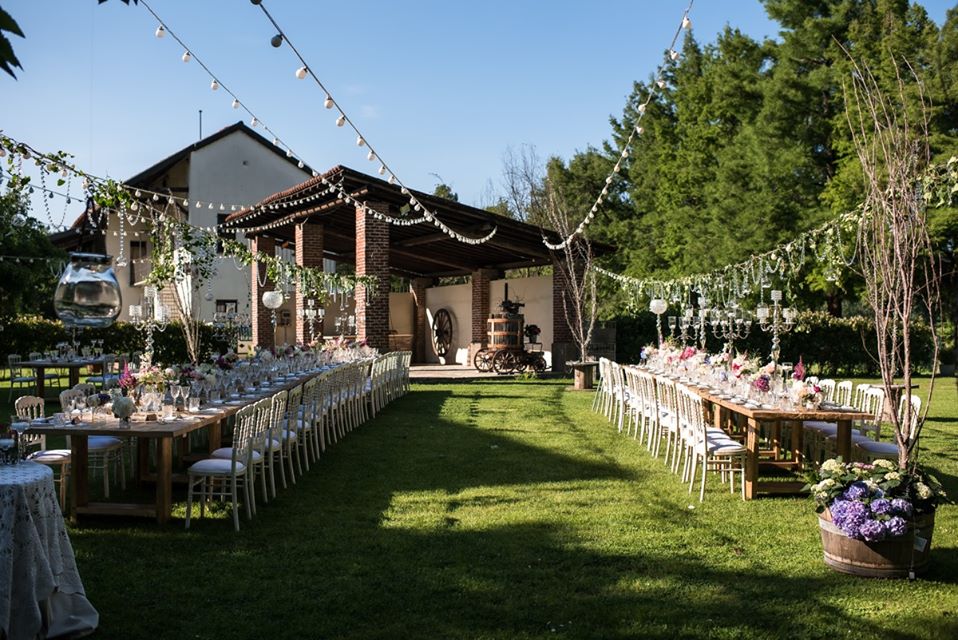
(504, 509)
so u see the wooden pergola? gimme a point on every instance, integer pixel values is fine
(318, 222)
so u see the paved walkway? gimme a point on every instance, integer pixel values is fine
(423, 372)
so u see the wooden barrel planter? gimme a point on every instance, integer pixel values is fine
(504, 331)
(883, 559)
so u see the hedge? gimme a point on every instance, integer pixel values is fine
(27, 334)
(828, 345)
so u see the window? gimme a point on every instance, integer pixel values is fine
(139, 261)
(226, 306)
(223, 233)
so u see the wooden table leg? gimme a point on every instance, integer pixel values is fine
(74, 376)
(751, 459)
(798, 447)
(41, 374)
(216, 434)
(844, 439)
(79, 474)
(164, 479)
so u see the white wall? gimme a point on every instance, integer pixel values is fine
(457, 300)
(535, 292)
(235, 170)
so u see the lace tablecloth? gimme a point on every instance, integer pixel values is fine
(40, 588)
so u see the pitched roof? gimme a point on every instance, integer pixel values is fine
(417, 250)
(148, 175)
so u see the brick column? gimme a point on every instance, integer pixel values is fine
(309, 253)
(480, 309)
(263, 334)
(563, 346)
(372, 259)
(420, 328)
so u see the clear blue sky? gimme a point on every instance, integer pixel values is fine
(438, 86)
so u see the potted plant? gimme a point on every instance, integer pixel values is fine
(875, 519)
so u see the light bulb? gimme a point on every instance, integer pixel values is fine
(370, 156)
(235, 103)
(686, 23)
(301, 73)
(328, 102)
(253, 122)
(276, 40)
(674, 54)
(300, 164)
(360, 142)
(661, 83)
(186, 56)
(382, 169)
(214, 85)
(340, 121)
(160, 32)
(642, 107)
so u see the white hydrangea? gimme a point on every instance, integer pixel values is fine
(923, 490)
(892, 475)
(885, 464)
(832, 466)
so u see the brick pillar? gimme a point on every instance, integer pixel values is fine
(420, 329)
(372, 259)
(309, 253)
(480, 309)
(263, 334)
(563, 346)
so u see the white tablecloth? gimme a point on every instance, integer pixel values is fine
(40, 588)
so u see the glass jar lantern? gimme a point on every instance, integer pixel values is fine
(88, 294)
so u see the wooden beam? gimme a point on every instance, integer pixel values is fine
(440, 236)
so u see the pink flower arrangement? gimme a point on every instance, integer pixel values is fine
(799, 371)
(687, 353)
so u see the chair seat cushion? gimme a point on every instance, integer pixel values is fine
(24, 379)
(51, 456)
(226, 453)
(725, 447)
(215, 467)
(100, 443)
(818, 425)
(878, 448)
(857, 436)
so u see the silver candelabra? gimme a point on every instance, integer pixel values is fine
(149, 316)
(776, 319)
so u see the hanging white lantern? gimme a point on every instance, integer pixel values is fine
(88, 294)
(272, 299)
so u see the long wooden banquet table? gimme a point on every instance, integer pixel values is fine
(212, 417)
(723, 410)
(72, 366)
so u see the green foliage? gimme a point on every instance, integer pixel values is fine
(748, 143)
(8, 60)
(443, 190)
(25, 287)
(30, 333)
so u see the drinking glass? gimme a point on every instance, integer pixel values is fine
(168, 410)
(185, 393)
(175, 393)
(194, 405)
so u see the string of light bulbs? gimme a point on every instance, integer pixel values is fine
(216, 83)
(635, 131)
(343, 119)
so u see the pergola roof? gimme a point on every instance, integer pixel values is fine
(414, 250)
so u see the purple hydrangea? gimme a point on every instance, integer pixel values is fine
(872, 530)
(849, 515)
(881, 507)
(896, 526)
(856, 491)
(901, 507)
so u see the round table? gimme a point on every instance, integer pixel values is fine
(40, 588)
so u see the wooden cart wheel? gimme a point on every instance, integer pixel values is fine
(539, 364)
(483, 359)
(504, 362)
(442, 332)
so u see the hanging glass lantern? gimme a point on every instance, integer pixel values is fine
(88, 295)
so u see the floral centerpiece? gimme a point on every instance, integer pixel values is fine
(648, 352)
(742, 365)
(155, 376)
(762, 378)
(127, 380)
(123, 407)
(532, 332)
(228, 360)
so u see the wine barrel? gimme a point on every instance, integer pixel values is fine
(894, 558)
(505, 331)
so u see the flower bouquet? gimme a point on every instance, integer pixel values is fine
(123, 408)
